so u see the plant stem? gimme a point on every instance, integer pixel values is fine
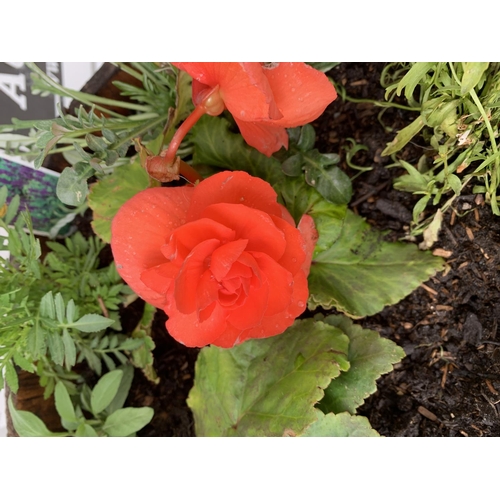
(181, 132)
(86, 98)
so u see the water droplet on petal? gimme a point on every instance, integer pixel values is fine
(300, 303)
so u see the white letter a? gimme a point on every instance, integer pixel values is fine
(9, 85)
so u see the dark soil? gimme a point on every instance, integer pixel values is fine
(449, 382)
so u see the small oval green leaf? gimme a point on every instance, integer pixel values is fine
(27, 424)
(105, 391)
(126, 421)
(64, 406)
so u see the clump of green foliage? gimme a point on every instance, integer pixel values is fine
(459, 117)
(61, 310)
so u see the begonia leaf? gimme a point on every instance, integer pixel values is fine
(341, 425)
(264, 387)
(370, 356)
(331, 182)
(215, 145)
(109, 194)
(360, 273)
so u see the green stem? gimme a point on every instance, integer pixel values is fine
(127, 69)
(84, 98)
(381, 104)
(140, 130)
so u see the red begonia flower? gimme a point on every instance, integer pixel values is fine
(223, 258)
(263, 99)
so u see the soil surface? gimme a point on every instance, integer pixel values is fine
(449, 382)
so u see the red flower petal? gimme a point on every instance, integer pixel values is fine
(207, 291)
(225, 256)
(160, 278)
(249, 224)
(139, 230)
(234, 187)
(280, 283)
(243, 87)
(294, 255)
(301, 92)
(252, 311)
(185, 238)
(186, 284)
(263, 136)
(189, 330)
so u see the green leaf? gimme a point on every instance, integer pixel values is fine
(4, 192)
(85, 430)
(123, 389)
(72, 186)
(440, 112)
(126, 421)
(12, 209)
(36, 341)
(105, 391)
(420, 207)
(215, 145)
(59, 305)
(27, 424)
(108, 361)
(455, 183)
(11, 377)
(69, 350)
(292, 166)
(56, 347)
(95, 143)
(332, 183)
(404, 136)
(47, 308)
(109, 194)
(361, 273)
(413, 78)
(473, 72)
(23, 363)
(307, 138)
(369, 355)
(64, 406)
(92, 323)
(266, 386)
(130, 344)
(70, 311)
(341, 425)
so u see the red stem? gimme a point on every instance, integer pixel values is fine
(181, 132)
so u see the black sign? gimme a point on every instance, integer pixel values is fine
(16, 99)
